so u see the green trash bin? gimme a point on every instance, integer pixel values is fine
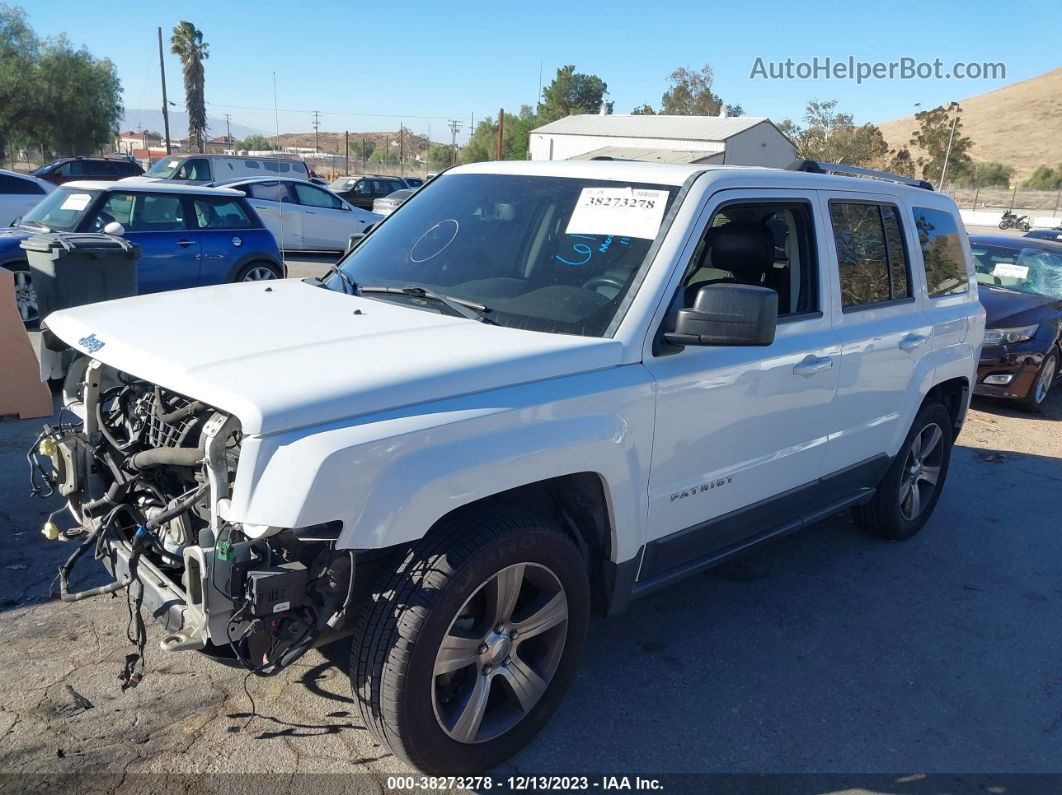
(72, 269)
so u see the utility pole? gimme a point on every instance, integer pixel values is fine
(501, 132)
(401, 149)
(951, 137)
(316, 127)
(228, 129)
(455, 128)
(346, 149)
(165, 104)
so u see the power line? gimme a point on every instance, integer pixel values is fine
(327, 112)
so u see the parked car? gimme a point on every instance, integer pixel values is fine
(67, 169)
(201, 169)
(1045, 234)
(188, 236)
(1021, 289)
(542, 387)
(302, 215)
(362, 191)
(389, 204)
(19, 193)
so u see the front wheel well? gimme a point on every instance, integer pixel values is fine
(577, 504)
(954, 394)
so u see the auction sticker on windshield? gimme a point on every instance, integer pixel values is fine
(618, 211)
(76, 202)
(1011, 270)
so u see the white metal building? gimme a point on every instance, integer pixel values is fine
(719, 140)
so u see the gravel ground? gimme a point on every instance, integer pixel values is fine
(824, 652)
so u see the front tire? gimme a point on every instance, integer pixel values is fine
(909, 491)
(1041, 385)
(467, 650)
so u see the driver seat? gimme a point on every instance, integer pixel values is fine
(745, 248)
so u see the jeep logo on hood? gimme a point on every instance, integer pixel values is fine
(91, 343)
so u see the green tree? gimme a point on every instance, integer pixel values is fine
(187, 43)
(987, 175)
(933, 136)
(78, 100)
(19, 51)
(831, 136)
(1044, 178)
(571, 92)
(690, 93)
(438, 157)
(515, 136)
(255, 143)
(643, 110)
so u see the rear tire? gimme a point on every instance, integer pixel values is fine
(440, 679)
(258, 272)
(1041, 385)
(909, 491)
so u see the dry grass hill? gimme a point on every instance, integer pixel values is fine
(1019, 125)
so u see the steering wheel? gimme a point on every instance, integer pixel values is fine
(604, 281)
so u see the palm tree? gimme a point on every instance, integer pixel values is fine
(187, 42)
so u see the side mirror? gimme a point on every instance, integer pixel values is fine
(727, 314)
(353, 240)
(114, 228)
(17, 221)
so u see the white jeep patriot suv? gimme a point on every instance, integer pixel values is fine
(536, 390)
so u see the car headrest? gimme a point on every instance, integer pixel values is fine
(745, 248)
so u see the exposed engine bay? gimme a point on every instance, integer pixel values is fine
(147, 475)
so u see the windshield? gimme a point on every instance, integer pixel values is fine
(61, 210)
(43, 169)
(342, 183)
(1027, 270)
(165, 168)
(542, 253)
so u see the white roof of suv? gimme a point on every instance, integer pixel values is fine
(667, 174)
(150, 187)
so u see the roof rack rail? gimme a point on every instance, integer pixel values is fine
(816, 167)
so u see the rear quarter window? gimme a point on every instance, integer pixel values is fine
(938, 237)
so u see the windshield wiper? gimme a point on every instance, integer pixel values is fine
(469, 309)
(343, 277)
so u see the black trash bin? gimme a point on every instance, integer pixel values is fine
(72, 269)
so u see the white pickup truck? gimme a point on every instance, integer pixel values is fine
(535, 390)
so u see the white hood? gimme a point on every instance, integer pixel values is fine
(286, 354)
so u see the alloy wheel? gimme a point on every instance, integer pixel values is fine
(25, 296)
(921, 471)
(1045, 379)
(500, 653)
(259, 273)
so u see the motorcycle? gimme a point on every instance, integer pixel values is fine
(1014, 221)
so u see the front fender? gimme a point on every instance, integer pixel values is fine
(391, 476)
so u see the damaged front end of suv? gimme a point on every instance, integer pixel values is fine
(148, 476)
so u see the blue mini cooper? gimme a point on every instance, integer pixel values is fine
(188, 235)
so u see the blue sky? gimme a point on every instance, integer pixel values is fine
(367, 66)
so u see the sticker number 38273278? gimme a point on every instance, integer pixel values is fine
(631, 212)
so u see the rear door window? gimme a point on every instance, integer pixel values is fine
(312, 196)
(269, 191)
(870, 255)
(218, 213)
(938, 236)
